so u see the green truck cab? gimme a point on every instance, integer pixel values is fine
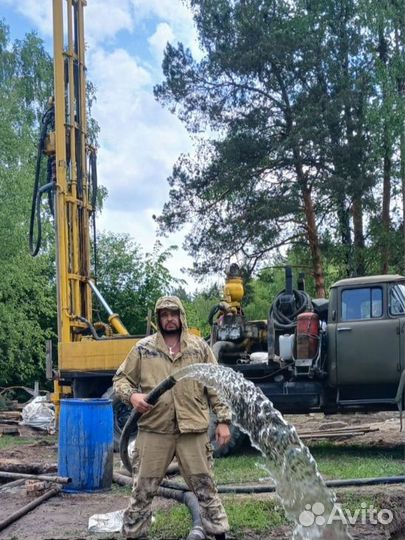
(366, 340)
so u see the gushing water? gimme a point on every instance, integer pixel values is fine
(291, 466)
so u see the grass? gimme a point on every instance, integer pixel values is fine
(117, 489)
(261, 514)
(334, 462)
(245, 514)
(7, 441)
(358, 462)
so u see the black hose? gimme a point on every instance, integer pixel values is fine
(185, 497)
(90, 327)
(289, 322)
(270, 489)
(213, 311)
(131, 425)
(190, 500)
(47, 123)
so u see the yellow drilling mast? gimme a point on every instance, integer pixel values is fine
(86, 360)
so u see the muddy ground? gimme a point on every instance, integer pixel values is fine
(66, 516)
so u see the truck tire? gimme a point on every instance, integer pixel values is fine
(121, 413)
(236, 442)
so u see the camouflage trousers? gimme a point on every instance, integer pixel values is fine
(152, 455)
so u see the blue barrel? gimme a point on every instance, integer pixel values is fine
(86, 444)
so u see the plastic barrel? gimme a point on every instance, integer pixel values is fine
(86, 444)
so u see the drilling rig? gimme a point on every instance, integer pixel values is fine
(88, 352)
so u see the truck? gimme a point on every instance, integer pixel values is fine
(328, 355)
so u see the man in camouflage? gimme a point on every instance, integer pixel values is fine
(177, 425)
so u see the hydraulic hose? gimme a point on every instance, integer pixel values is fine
(131, 425)
(47, 124)
(90, 327)
(288, 322)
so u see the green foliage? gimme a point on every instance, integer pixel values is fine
(261, 293)
(130, 280)
(303, 103)
(198, 307)
(27, 293)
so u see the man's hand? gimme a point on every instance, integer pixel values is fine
(138, 402)
(222, 434)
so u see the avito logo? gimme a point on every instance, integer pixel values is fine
(315, 514)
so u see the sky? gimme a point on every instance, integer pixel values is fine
(139, 139)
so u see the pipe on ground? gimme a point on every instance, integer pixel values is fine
(28, 507)
(46, 478)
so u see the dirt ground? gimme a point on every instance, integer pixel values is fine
(66, 516)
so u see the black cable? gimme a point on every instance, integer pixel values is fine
(93, 180)
(47, 124)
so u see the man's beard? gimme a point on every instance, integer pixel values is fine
(171, 332)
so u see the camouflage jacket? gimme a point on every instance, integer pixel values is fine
(184, 408)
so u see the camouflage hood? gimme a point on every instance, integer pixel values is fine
(174, 303)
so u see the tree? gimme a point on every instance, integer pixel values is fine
(251, 189)
(286, 91)
(27, 292)
(130, 280)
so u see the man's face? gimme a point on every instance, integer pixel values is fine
(170, 320)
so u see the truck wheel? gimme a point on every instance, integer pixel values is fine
(121, 413)
(237, 439)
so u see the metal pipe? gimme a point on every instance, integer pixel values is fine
(30, 506)
(113, 318)
(46, 478)
(100, 297)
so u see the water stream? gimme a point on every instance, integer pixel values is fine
(305, 498)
